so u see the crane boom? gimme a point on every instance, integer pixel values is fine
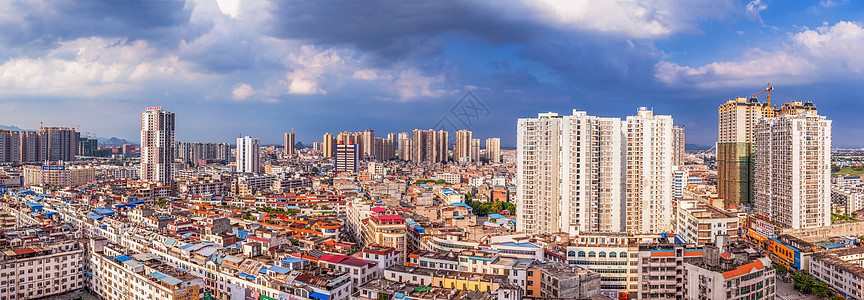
(767, 89)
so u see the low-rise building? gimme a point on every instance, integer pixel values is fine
(841, 270)
(559, 280)
(58, 175)
(661, 268)
(700, 223)
(729, 271)
(38, 272)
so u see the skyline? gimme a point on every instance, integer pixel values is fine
(258, 69)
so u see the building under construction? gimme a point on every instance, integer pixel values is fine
(737, 122)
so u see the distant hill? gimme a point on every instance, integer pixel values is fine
(12, 128)
(113, 141)
(688, 147)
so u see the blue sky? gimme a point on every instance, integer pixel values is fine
(260, 68)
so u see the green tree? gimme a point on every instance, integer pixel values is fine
(821, 289)
(803, 282)
(781, 269)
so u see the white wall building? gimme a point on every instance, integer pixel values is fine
(493, 150)
(649, 172)
(30, 273)
(248, 155)
(793, 170)
(569, 174)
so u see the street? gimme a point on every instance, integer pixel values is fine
(784, 289)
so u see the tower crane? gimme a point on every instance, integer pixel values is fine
(768, 89)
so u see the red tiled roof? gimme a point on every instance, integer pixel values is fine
(355, 262)
(693, 253)
(744, 269)
(662, 254)
(333, 258)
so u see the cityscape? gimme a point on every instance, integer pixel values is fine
(378, 180)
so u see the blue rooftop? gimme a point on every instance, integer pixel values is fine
(105, 211)
(95, 216)
(291, 260)
(524, 245)
(279, 269)
(833, 246)
(122, 258)
(318, 295)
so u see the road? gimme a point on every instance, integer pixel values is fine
(784, 289)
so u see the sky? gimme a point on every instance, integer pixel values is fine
(260, 68)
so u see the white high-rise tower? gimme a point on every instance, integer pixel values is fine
(157, 145)
(649, 172)
(248, 155)
(792, 170)
(569, 174)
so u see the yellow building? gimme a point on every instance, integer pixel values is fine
(58, 175)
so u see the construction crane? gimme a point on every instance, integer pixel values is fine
(768, 89)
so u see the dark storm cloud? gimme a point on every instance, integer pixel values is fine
(44, 23)
(392, 29)
(595, 60)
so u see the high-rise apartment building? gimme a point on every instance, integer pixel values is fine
(649, 172)
(405, 146)
(346, 157)
(87, 147)
(493, 150)
(366, 143)
(10, 146)
(401, 143)
(569, 174)
(47, 144)
(737, 121)
(288, 140)
(248, 155)
(429, 145)
(678, 146)
(462, 146)
(194, 153)
(157, 143)
(30, 146)
(442, 143)
(474, 151)
(385, 149)
(58, 143)
(328, 145)
(792, 170)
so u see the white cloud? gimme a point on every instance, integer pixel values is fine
(89, 67)
(808, 56)
(310, 64)
(229, 7)
(832, 3)
(754, 9)
(366, 74)
(628, 18)
(410, 84)
(242, 91)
